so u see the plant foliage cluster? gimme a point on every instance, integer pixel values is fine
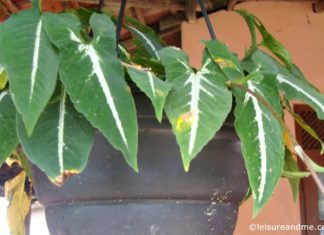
(62, 77)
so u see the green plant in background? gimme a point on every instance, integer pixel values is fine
(66, 81)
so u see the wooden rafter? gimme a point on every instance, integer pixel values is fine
(190, 9)
(9, 5)
(162, 4)
(319, 6)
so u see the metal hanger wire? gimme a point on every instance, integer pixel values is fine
(207, 20)
(122, 12)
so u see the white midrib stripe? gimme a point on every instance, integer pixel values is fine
(194, 109)
(91, 52)
(196, 87)
(35, 58)
(282, 79)
(147, 41)
(60, 147)
(149, 74)
(96, 67)
(262, 143)
(2, 95)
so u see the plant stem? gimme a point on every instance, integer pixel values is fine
(298, 149)
(137, 67)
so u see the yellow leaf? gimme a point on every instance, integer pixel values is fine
(19, 204)
(289, 145)
(59, 180)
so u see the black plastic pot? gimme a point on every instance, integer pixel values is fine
(109, 198)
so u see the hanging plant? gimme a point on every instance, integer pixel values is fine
(62, 77)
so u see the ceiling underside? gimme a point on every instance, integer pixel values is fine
(164, 16)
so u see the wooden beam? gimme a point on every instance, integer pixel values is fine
(9, 5)
(139, 15)
(162, 4)
(190, 9)
(319, 6)
(171, 21)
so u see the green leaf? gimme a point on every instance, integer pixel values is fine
(250, 22)
(263, 72)
(226, 60)
(8, 133)
(261, 140)
(265, 62)
(299, 74)
(25, 164)
(156, 89)
(3, 78)
(124, 54)
(296, 89)
(147, 38)
(268, 40)
(294, 86)
(317, 168)
(275, 46)
(292, 172)
(31, 64)
(63, 135)
(154, 65)
(304, 125)
(295, 174)
(198, 103)
(173, 59)
(94, 79)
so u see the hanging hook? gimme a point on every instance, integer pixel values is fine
(208, 23)
(101, 5)
(120, 20)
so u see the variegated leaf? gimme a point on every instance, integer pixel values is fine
(198, 103)
(31, 64)
(8, 133)
(61, 142)
(296, 89)
(148, 39)
(293, 84)
(94, 79)
(226, 60)
(261, 140)
(156, 89)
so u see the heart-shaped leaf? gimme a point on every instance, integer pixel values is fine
(198, 103)
(61, 142)
(31, 64)
(156, 89)
(94, 79)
